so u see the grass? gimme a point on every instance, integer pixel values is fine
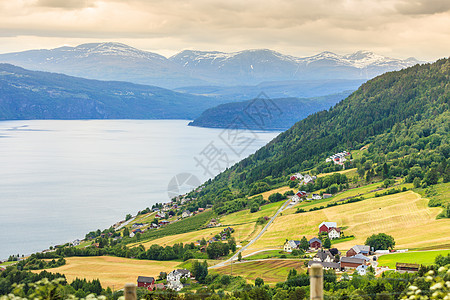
(438, 194)
(416, 257)
(245, 216)
(7, 263)
(280, 190)
(406, 216)
(349, 172)
(272, 271)
(112, 272)
(269, 254)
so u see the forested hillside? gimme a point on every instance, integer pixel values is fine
(286, 112)
(403, 115)
(28, 94)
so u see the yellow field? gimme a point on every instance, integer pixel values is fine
(243, 232)
(272, 271)
(405, 216)
(112, 272)
(245, 216)
(349, 172)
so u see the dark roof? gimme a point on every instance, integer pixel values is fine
(183, 271)
(145, 279)
(406, 265)
(332, 265)
(322, 255)
(352, 260)
(315, 240)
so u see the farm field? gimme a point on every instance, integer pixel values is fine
(349, 172)
(244, 216)
(243, 232)
(272, 270)
(112, 272)
(405, 216)
(280, 190)
(415, 257)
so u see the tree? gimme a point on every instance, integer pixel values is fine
(128, 217)
(304, 244)
(327, 243)
(239, 256)
(431, 177)
(380, 241)
(259, 281)
(416, 182)
(126, 232)
(200, 270)
(138, 236)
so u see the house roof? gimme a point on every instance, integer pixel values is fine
(332, 265)
(322, 255)
(336, 228)
(294, 244)
(315, 240)
(145, 279)
(352, 260)
(361, 249)
(328, 224)
(360, 256)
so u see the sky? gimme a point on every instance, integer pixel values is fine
(395, 28)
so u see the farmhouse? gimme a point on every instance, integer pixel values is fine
(177, 274)
(364, 250)
(325, 196)
(351, 262)
(316, 197)
(323, 256)
(362, 270)
(291, 245)
(326, 226)
(334, 233)
(315, 243)
(299, 195)
(146, 282)
(186, 214)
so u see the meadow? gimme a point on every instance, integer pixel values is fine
(415, 257)
(406, 216)
(112, 272)
(272, 270)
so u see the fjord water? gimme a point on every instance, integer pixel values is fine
(62, 179)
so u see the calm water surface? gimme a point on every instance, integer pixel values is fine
(62, 179)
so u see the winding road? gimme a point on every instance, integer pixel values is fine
(234, 257)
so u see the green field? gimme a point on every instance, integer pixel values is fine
(417, 257)
(7, 263)
(245, 216)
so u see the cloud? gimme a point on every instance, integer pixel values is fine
(65, 4)
(423, 7)
(299, 27)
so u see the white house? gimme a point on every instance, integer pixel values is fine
(291, 245)
(334, 233)
(186, 214)
(324, 256)
(316, 197)
(362, 270)
(177, 274)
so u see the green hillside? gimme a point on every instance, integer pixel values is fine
(403, 115)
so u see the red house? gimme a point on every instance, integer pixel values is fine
(293, 177)
(326, 226)
(143, 281)
(315, 243)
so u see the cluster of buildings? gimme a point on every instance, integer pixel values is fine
(173, 281)
(304, 179)
(223, 236)
(338, 158)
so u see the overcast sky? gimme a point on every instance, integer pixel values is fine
(396, 28)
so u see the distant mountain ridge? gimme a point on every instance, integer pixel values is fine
(28, 94)
(116, 61)
(280, 114)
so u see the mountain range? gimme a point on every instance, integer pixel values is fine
(28, 94)
(116, 61)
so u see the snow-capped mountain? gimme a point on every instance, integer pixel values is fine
(105, 61)
(115, 61)
(255, 66)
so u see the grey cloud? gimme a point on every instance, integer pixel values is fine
(66, 4)
(423, 7)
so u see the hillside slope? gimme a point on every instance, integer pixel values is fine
(399, 113)
(28, 94)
